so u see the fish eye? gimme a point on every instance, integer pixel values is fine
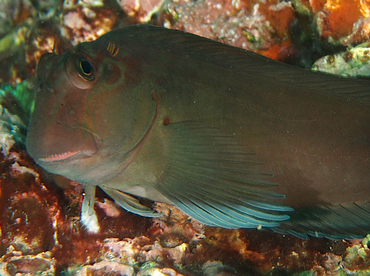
(85, 68)
(81, 71)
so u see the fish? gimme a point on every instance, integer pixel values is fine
(230, 137)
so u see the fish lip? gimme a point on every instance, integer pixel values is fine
(66, 156)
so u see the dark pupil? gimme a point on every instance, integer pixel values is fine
(86, 67)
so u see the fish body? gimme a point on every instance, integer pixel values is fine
(232, 138)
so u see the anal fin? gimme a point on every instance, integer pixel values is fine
(339, 221)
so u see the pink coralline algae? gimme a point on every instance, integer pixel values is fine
(141, 10)
(81, 24)
(252, 25)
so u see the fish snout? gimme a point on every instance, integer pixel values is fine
(51, 142)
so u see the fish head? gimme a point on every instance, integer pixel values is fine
(87, 109)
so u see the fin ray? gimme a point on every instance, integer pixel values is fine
(337, 221)
(217, 181)
(214, 214)
(130, 203)
(236, 208)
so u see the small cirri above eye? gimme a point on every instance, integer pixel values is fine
(81, 71)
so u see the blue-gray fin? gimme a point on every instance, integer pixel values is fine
(187, 45)
(339, 221)
(130, 203)
(216, 181)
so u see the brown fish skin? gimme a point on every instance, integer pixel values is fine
(174, 117)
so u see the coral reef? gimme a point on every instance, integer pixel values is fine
(343, 22)
(15, 108)
(86, 21)
(37, 27)
(352, 63)
(39, 220)
(141, 10)
(259, 27)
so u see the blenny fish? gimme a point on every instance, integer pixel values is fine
(232, 138)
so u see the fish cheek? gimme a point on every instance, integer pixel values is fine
(119, 115)
(113, 74)
(104, 110)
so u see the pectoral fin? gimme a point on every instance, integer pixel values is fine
(88, 215)
(216, 181)
(130, 203)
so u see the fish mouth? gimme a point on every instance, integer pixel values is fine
(66, 156)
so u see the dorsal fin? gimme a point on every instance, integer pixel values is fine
(239, 60)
